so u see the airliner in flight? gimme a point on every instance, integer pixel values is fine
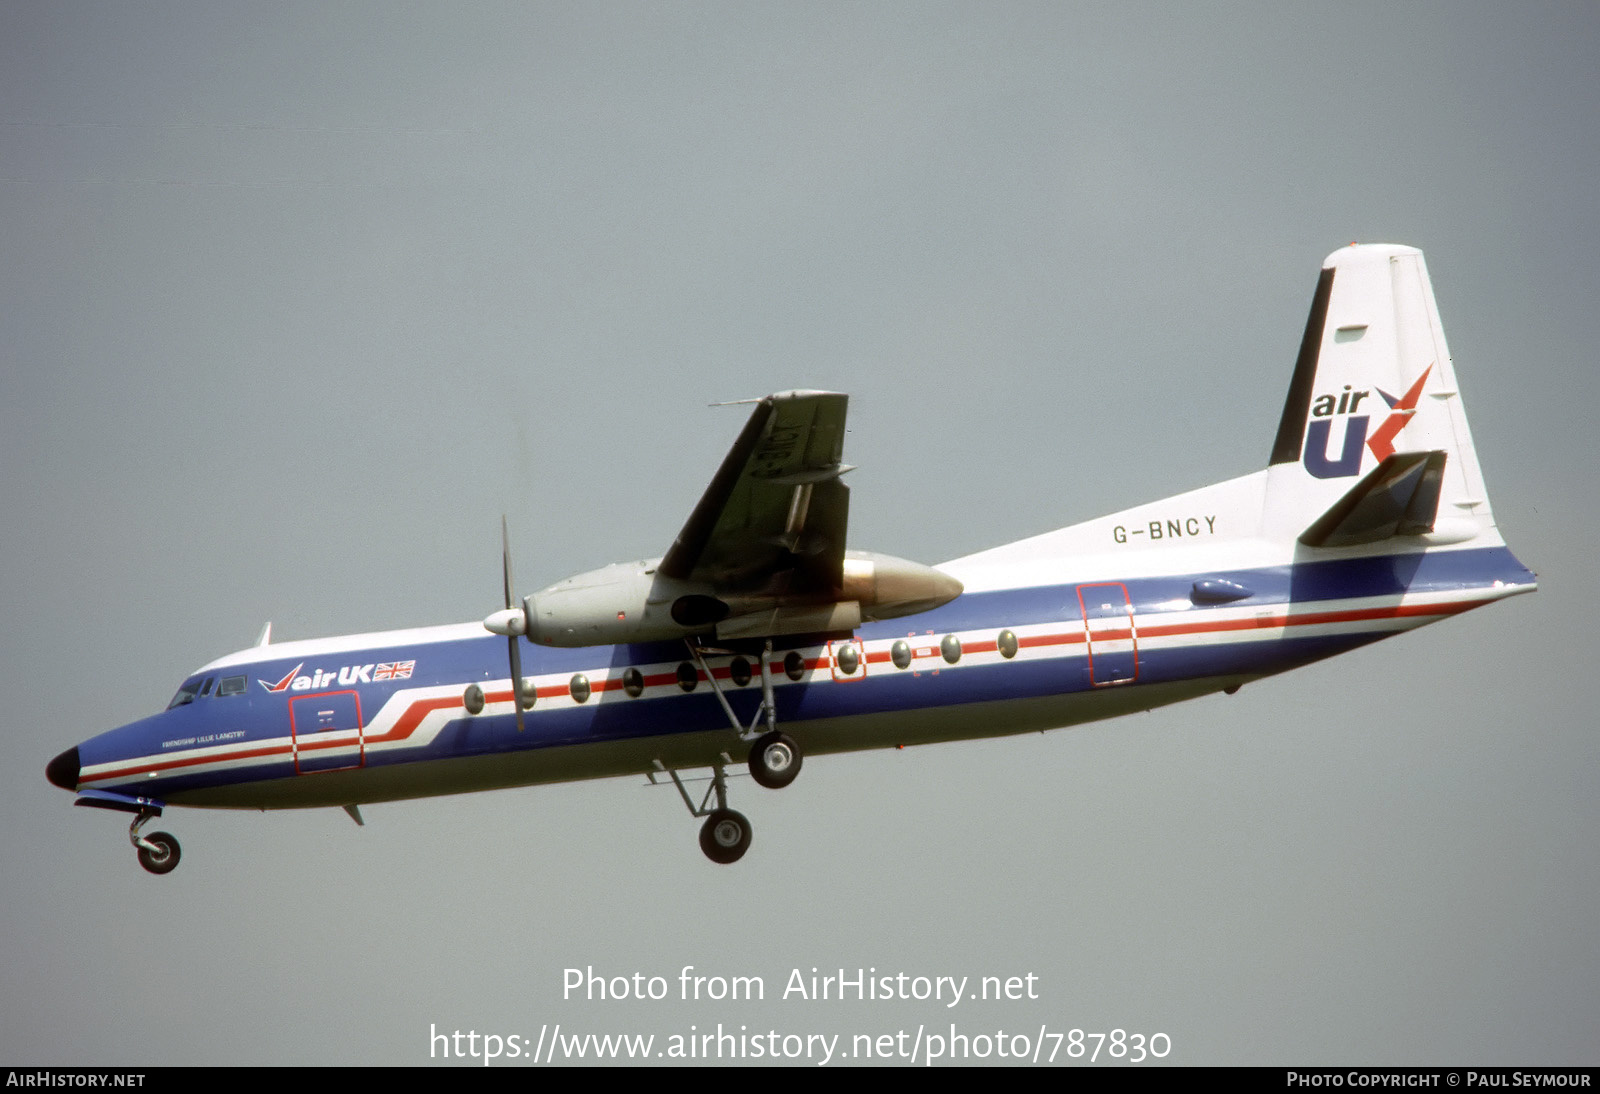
(759, 639)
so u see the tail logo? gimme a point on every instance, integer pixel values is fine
(1381, 443)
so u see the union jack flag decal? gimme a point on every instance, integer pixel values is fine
(394, 670)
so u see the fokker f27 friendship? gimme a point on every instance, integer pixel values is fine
(758, 639)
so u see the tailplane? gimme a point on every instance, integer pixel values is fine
(1373, 442)
(1372, 456)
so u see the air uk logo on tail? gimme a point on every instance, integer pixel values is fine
(1382, 442)
(1343, 405)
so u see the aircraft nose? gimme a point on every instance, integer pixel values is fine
(63, 770)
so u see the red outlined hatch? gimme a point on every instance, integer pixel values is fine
(1109, 632)
(326, 729)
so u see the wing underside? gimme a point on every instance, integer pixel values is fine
(774, 518)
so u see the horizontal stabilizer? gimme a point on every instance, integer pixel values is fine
(1399, 497)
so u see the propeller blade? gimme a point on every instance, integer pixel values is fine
(511, 639)
(505, 556)
(516, 678)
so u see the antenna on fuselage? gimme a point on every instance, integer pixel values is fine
(265, 637)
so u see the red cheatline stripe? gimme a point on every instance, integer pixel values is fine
(404, 726)
(413, 715)
(407, 723)
(174, 765)
(1304, 619)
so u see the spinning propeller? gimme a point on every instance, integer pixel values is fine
(512, 619)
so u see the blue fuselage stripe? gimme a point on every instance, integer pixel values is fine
(218, 733)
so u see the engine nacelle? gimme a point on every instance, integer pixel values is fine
(888, 588)
(631, 602)
(623, 602)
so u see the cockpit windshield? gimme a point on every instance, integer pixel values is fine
(187, 692)
(198, 687)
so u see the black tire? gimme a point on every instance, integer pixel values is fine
(725, 836)
(164, 859)
(775, 761)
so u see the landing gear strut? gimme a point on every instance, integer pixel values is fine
(159, 851)
(774, 757)
(725, 836)
(774, 762)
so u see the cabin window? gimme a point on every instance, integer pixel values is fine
(472, 699)
(688, 678)
(231, 685)
(848, 659)
(579, 686)
(951, 648)
(900, 654)
(633, 683)
(1006, 644)
(739, 672)
(794, 664)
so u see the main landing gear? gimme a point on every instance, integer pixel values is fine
(725, 836)
(774, 762)
(774, 757)
(159, 851)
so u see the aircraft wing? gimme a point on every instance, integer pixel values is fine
(774, 518)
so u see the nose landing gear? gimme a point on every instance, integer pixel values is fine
(159, 851)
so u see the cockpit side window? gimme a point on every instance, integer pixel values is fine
(186, 693)
(231, 685)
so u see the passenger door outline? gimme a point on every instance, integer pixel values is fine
(1109, 634)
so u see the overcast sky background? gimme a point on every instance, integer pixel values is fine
(298, 299)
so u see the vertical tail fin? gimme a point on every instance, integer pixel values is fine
(1374, 383)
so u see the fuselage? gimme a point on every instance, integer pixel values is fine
(1370, 518)
(385, 716)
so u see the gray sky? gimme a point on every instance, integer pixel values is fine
(300, 298)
